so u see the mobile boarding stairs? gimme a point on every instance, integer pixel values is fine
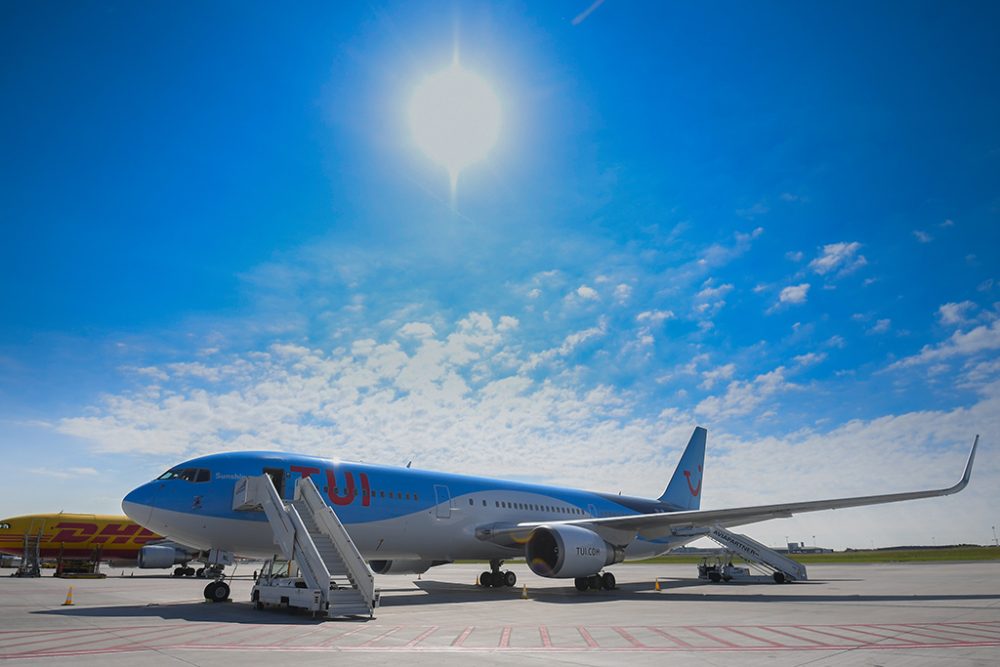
(778, 566)
(335, 580)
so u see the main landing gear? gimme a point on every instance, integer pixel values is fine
(596, 582)
(494, 578)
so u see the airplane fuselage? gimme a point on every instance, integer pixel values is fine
(390, 512)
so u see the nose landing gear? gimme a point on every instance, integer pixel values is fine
(217, 591)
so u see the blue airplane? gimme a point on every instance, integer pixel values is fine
(404, 520)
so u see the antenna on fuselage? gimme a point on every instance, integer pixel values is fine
(409, 462)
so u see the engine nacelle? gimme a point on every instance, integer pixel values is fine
(160, 556)
(569, 551)
(403, 566)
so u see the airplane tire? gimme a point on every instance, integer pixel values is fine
(486, 580)
(509, 579)
(582, 583)
(595, 581)
(178, 571)
(608, 581)
(779, 578)
(217, 591)
(200, 573)
(714, 577)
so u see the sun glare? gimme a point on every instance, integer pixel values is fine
(455, 119)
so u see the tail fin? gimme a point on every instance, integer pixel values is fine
(684, 489)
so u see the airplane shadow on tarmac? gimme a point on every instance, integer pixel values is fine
(430, 592)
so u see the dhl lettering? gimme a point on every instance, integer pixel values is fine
(350, 492)
(121, 532)
(145, 535)
(74, 532)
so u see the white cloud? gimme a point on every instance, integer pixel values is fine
(417, 330)
(838, 259)
(756, 210)
(795, 255)
(622, 293)
(954, 313)
(922, 236)
(64, 473)
(714, 375)
(654, 316)
(809, 359)
(744, 396)
(881, 326)
(793, 295)
(710, 299)
(983, 338)
(589, 293)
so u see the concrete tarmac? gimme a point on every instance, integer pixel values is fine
(894, 614)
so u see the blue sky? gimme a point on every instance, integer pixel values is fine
(778, 221)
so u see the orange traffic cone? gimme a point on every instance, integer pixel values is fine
(69, 598)
(657, 586)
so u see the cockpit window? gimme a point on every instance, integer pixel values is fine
(188, 474)
(4, 526)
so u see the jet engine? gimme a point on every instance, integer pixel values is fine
(161, 556)
(403, 566)
(565, 552)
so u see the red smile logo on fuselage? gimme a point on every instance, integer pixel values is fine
(695, 490)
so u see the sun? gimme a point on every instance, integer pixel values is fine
(455, 118)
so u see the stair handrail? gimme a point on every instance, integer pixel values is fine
(314, 570)
(330, 525)
(261, 490)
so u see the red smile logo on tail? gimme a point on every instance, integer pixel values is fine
(695, 490)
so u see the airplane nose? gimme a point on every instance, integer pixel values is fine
(138, 504)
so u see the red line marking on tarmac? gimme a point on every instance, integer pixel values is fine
(813, 628)
(754, 637)
(459, 640)
(504, 637)
(664, 633)
(628, 637)
(895, 638)
(331, 640)
(904, 630)
(768, 628)
(543, 634)
(371, 642)
(229, 632)
(422, 636)
(704, 634)
(947, 629)
(587, 638)
(151, 643)
(108, 637)
(993, 625)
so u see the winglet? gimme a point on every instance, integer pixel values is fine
(968, 466)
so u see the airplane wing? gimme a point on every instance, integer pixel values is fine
(623, 529)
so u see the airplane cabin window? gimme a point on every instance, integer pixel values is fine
(203, 475)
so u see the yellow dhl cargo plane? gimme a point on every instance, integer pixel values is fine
(93, 538)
